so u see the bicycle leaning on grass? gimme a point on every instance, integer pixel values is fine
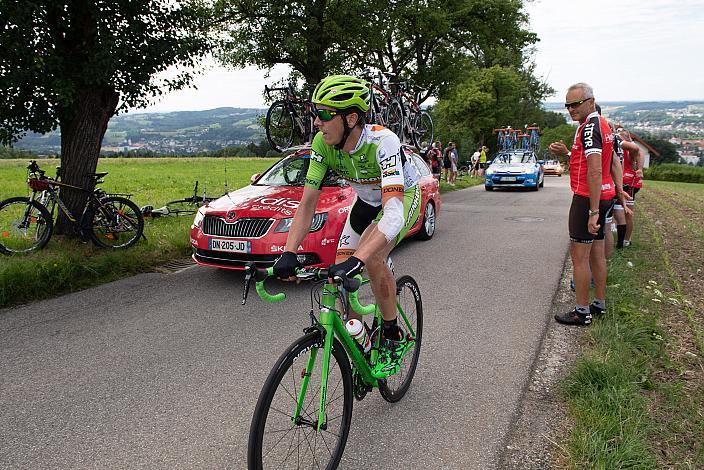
(27, 223)
(303, 414)
(179, 207)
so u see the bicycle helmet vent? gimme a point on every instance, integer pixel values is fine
(342, 92)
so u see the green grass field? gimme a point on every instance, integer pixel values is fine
(67, 265)
(636, 395)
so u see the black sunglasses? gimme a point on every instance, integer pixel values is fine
(574, 104)
(326, 114)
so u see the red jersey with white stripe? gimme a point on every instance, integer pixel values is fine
(629, 174)
(592, 136)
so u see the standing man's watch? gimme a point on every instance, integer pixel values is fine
(591, 212)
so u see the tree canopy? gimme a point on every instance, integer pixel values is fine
(55, 51)
(667, 150)
(75, 63)
(483, 99)
(430, 43)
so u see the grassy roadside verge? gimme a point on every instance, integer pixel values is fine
(67, 265)
(636, 396)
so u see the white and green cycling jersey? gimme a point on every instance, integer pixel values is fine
(376, 162)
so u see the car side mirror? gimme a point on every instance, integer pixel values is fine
(254, 177)
(541, 162)
(488, 162)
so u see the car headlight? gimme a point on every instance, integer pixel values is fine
(490, 171)
(284, 225)
(200, 215)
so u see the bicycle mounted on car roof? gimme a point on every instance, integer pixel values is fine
(289, 120)
(404, 116)
(27, 223)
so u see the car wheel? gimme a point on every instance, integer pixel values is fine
(489, 188)
(427, 228)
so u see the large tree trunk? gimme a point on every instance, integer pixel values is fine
(81, 137)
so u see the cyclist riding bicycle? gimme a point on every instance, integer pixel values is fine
(387, 199)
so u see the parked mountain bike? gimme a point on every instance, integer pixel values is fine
(179, 207)
(405, 117)
(27, 223)
(289, 121)
(303, 414)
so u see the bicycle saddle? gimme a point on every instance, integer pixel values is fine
(99, 175)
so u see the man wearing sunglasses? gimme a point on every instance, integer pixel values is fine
(386, 206)
(594, 191)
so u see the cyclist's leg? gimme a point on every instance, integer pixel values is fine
(358, 219)
(380, 275)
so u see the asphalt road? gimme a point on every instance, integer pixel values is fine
(163, 370)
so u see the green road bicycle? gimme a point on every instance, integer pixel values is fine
(304, 411)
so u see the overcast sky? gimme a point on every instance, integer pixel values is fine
(628, 51)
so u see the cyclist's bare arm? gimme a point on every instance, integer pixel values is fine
(302, 219)
(617, 175)
(636, 156)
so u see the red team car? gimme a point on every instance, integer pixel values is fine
(251, 224)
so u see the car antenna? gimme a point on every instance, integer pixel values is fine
(227, 189)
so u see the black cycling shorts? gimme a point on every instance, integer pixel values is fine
(362, 215)
(631, 191)
(579, 219)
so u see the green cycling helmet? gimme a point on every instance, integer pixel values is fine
(342, 92)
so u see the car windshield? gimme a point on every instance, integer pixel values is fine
(291, 171)
(514, 158)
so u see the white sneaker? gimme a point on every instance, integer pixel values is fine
(626, 243)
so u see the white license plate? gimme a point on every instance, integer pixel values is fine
(233, 246)
(508, 178)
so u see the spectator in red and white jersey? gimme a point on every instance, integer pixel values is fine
(632, 178)
(594, 191)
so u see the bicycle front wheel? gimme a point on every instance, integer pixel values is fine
(410, 318)
(279, 126)
(25, 226)
(116, 223)
(184, 206)
(277, 439)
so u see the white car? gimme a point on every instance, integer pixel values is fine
(515, 169)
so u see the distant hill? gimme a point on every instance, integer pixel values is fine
(681, 119)
(633, 105)
(181, 132)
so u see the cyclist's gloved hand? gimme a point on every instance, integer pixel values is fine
(351, 267)
(286, 265)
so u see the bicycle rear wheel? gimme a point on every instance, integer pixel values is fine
(409, 301)
(279, 126)
(423, 130)
(276, 440)
(394, 119)
(25, 226)
(116, 223)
